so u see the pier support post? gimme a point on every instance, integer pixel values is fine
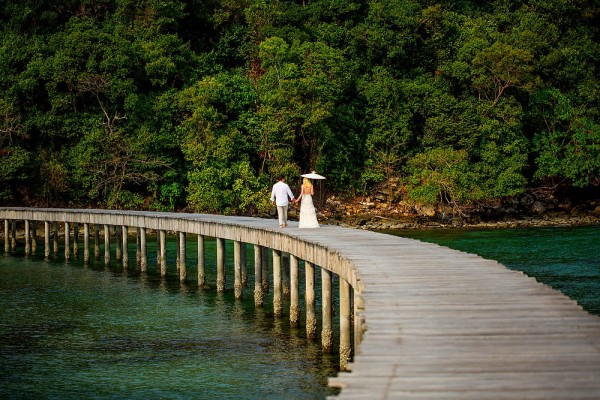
(326, 303)
(345, 348)
(67, 241)
(143, 251)
(163, 253)
(265, 269)
(34, 237)
(86, 243)
(358, 321)
(13, 236)
(125, 243)
(311, 315)
(138, 248)
(285, 275)
(118, 255)
(27, 239)
(55, 239)
(96, 242)
(244, 261)
(46, 239)
(182, 256)
(294, 295)
(237, 269)
(220, 265)
(201, 276)
(6, 236)
(277, 289)
(75, 240)
(158, 250)
(106, 245)
(258, 292)
(177, 251)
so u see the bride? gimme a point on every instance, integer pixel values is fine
(308, 214)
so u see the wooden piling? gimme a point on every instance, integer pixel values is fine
(345, 346)
(309, 295)
(46, 239)
(118, 244)
(182, 257)
(258, 289)
(158, 250)
(177, 251)
(6, 236)
(97, 242)
(277, 284)
(143, 251)
(55, 248)
(13, 236)
(220, 264)
(294, 289)
(138, 248)
(285, 275)
(34, 237)
(244, 261)
(27, 239)
(201, 275)
(106, 245)
(75, 240)
(265, 269)
(86, 243)
(326, 304)
(163, 253)
(67, 241)
(125, 245)
(237, 269)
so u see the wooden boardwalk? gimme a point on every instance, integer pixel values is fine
(442, 324)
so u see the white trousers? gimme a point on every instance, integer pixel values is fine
(282, 214)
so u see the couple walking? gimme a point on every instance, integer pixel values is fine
(279, 196)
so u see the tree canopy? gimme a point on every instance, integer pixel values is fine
(197, 104)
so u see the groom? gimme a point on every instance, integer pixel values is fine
(279, 196)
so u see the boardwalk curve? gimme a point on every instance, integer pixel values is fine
(436, 323)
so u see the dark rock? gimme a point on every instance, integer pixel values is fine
(527, 200)
(538, 208)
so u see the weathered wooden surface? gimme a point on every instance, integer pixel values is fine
(440, 324)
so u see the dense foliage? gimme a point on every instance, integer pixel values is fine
(166, 104)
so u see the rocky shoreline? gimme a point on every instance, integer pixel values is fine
(377, 223)
(530, 209)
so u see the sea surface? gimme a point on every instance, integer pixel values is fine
(567, 259)
(70, 331)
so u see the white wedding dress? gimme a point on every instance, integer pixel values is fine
(308, 214)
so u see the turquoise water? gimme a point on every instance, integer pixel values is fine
(568, 259)
(72, 331)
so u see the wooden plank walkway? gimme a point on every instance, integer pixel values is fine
(442, 324)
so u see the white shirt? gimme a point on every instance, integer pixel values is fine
(281, 191)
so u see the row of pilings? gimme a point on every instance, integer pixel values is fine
(284, 268)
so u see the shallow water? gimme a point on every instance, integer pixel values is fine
(74, 331)
(568, 259)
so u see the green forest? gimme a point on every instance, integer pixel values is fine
(201, 104)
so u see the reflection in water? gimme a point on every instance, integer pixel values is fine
(69, 331)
